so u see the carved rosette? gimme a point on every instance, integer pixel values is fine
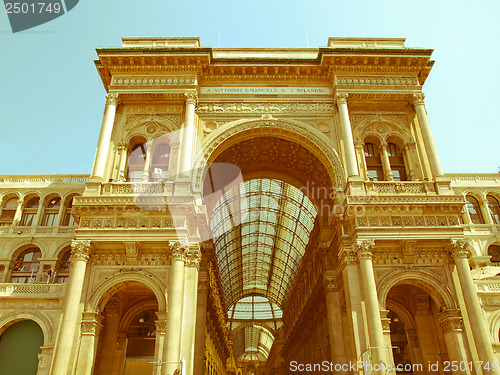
(112, 99)
(81, 250)
(341, 98)
(179, 251)
(161, 327)
(458, 248)
(191, 97)
(418, 99)
(364, 249)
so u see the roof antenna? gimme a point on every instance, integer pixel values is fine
(307, 37)
(218, 46)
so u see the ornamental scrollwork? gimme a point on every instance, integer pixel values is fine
(330, 284)
(81, 250)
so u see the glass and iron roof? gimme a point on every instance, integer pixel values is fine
(252, 343)
(261, 229)
(254, 308)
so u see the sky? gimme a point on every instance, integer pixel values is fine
(52, 99)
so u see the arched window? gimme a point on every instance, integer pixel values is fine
(29, 212)
(397, 162)
(494, 208)
(68, 219)
(373, 162)
(161, 158)
(8, 212)
(136, 162)
(26, 266)
(51, 212)
(63, 266)
(474, 210)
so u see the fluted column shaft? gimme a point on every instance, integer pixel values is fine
(481, 336)
(375, 331)
(190, 309)
(345, 125)
(188, 133)
(105, 136)
(171, 349)
(80, 253)
(430, 145)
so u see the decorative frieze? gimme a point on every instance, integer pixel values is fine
(376, 80)
(407, 221)
(260, 108)
(119, 80)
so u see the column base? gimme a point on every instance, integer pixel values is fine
(355, 186)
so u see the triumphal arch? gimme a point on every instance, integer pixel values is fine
(257, 211)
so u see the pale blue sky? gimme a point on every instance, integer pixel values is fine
(52, 99)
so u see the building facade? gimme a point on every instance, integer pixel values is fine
(254, 211)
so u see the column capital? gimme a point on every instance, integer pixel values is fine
(81, 250)
(450, 321)
(91, 324)
(193, 257)
(191, 96)
(410, 145)
(330, 284)
(112, 98)
(347, 255)
(364, 249)
(359, 144)
(418, 99)
(161, 327)
(121, 146)
(458, 248)
(179, 251)
(341, 98)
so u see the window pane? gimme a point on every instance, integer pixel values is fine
(494, 208)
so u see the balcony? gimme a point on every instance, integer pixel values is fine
(38, 230)
(10, 290)
(43, 179)
(473, 178)
(399, 187)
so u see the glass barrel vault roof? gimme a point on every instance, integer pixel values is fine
(261, 229)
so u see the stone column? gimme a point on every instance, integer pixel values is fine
(190, 307)
(345, 125)
(104, 137)
(80, 253)
(147, 162)
(481, 336)
(386, 330)
(188, 133)
(38, 218)
(334, 315)
(19, 213)
(60, 214)
(356, 328)
(386, 165)
(91, 327)
(201, 318)
(485, 210)
(171, 351)
(109, 336)
(451, 324)
(377, 344)
(430, 146)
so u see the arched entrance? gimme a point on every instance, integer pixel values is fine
(128, 341)
(19, 348)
